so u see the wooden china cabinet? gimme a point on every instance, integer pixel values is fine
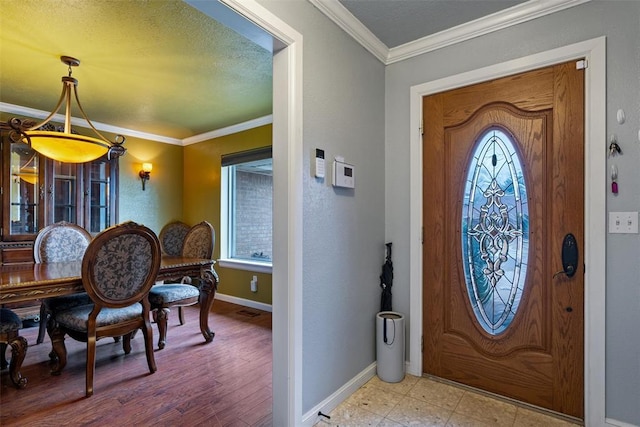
(37, 191)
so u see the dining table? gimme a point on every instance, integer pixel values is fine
(20, 283)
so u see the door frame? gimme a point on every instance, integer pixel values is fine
(594, 51)
(287, 208)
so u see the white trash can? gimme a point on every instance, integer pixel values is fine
(390, 346)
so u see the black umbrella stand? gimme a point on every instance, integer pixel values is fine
(386, 281)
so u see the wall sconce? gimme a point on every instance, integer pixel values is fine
(145, 173)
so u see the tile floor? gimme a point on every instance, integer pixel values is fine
(419, 401)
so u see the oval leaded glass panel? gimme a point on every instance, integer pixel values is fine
(495, 231)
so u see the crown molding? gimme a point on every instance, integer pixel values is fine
(518, 14)
(39, 114)
(356, 29)
(497, 21)
(229, 130)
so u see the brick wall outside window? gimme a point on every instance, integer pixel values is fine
(253, 216)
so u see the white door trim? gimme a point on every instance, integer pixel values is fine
(594, 51)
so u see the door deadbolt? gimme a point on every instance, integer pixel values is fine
(569, 256)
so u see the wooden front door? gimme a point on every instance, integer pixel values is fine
(503, 185)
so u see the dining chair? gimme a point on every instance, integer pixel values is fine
(118, 269)
(172, 237)
(60, 242)
(10, 324)
(198, 243)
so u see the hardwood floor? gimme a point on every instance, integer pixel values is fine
(224, 383)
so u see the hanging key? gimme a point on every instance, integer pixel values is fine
(614, 148)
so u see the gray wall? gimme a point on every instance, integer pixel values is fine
(343, 230)
(343, 242)
(619, 21)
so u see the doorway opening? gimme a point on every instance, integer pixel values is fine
(287, 201)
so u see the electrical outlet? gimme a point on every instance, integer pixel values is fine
(623, 222)
(254, 284)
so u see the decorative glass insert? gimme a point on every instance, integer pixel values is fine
(495, 231)
(23, 189)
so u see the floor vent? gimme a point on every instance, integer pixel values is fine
(248, 313)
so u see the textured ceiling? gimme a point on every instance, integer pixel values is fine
(162, 67)
(155, 66)
(396, 22)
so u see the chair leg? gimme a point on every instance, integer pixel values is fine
(58, 353)
(147, 332)
(18, 352)
(126, 343)
(162, 319)
(44, 318)
(181, 315)
(3, 356)
(91, 364)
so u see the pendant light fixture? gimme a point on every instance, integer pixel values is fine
(66, 146)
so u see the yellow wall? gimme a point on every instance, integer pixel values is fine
(201, 201)
(157, 205)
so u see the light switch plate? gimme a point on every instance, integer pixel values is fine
(623, 222)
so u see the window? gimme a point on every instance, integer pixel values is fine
(246, 205)
(495, 237)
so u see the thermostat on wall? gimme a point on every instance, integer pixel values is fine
(343, 174)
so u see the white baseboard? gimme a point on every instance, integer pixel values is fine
(616, 423)
(331, 402)
(245, 302)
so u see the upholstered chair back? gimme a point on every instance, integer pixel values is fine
(199, 241)
(172, 237)
(121, 265)
(61, 242)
